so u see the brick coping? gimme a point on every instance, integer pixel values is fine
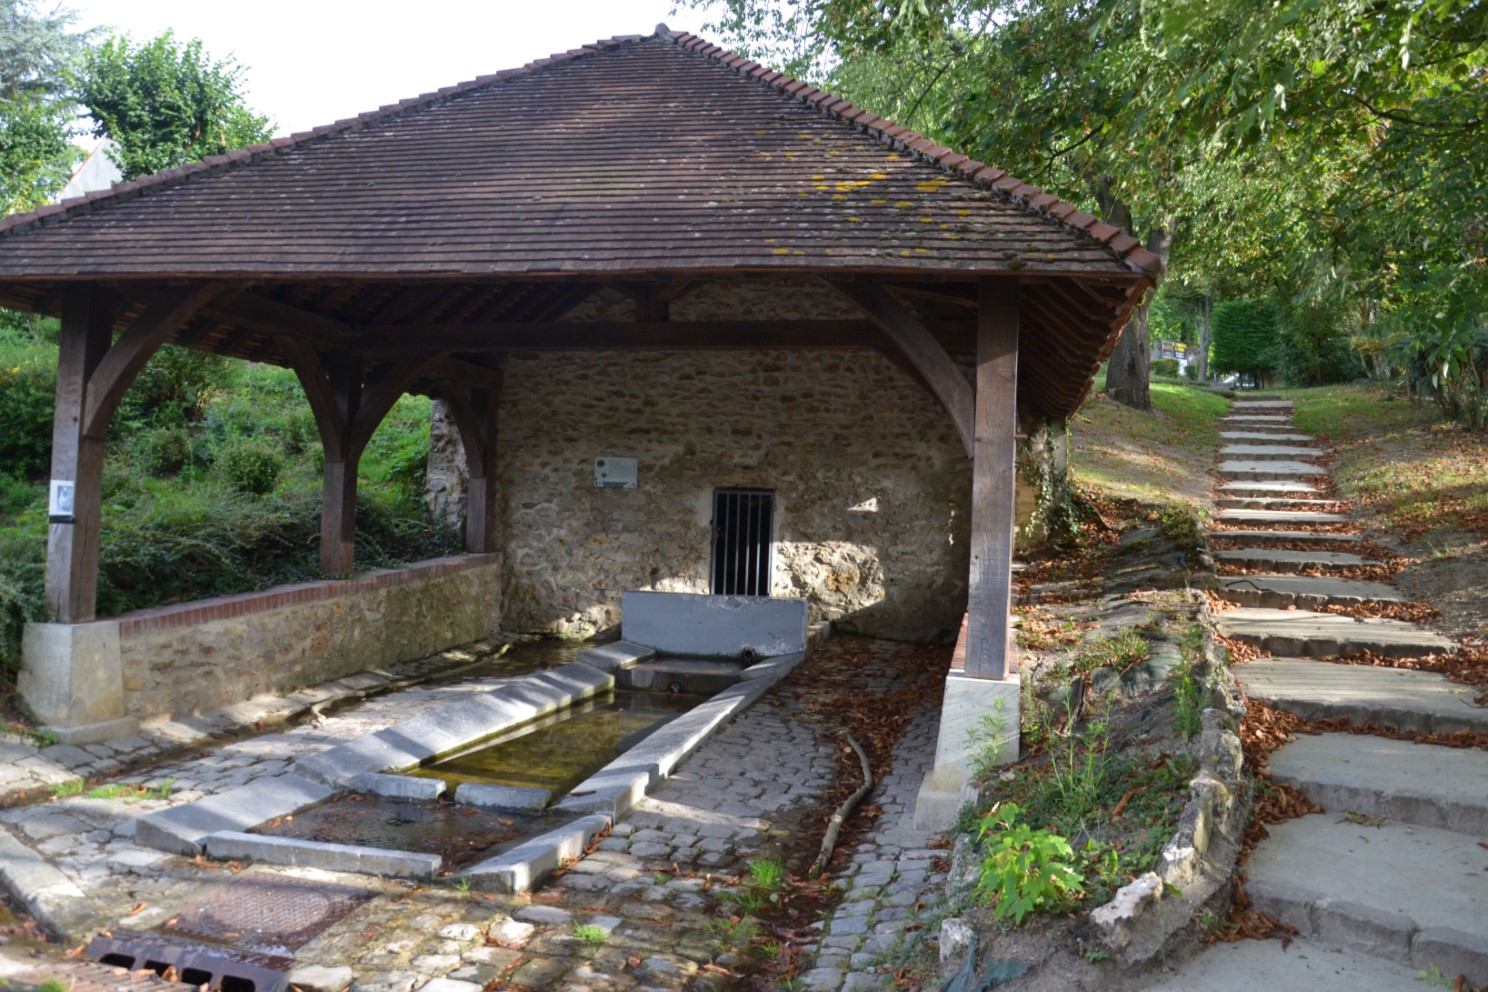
(138, 623)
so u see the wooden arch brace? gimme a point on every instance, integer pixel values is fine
(925, 353)
(348, 404)
(473, 411)
(93, 373)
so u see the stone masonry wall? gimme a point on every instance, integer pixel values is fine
(872, 484)
(201, 655)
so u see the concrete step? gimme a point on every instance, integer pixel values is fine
(1261, 404)
(1285, 560)
(1271, 503)
(1270, 965)
(1265, 537)
(1256, 418)
(1263, 488)
(1304, 634)
(1392, 697)
(1248, 471)
(1282, 517)
(1430, 786)
(1417, 896)
(1265, 437)
(1268, 452)
(1304, 591)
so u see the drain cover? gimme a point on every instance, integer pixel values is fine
(218, 969)
(269, 913)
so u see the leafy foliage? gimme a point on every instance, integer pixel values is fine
(164, 103)
(1024, 870)
(1245, 334)
(28, 389)
(252, 468)
(37, 56)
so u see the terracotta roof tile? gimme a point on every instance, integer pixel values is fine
(661, 154)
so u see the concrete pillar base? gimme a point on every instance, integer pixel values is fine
(72, 679)
(978, 715)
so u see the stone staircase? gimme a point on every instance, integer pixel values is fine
(1392, 879)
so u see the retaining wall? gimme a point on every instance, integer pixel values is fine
(205, 654)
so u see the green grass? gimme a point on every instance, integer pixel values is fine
(1426, 479)
(1162, 456)
(588, 934)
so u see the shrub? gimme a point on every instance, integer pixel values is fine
(250, 467)
(164, 451)
(28, 388)
(1163, 366)
(1025, 870)
(176, 386)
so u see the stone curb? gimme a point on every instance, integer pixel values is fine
(228, 845)
(484, 715)
(184, 829)
(502, 797)
(524, 866)
(418, 790)
(47, 894)
(614, 789)
(164, 740)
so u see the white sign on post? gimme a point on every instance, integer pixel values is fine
(615, 473)
(60, 506)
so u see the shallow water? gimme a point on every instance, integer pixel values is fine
(559, 752)
(459, 834)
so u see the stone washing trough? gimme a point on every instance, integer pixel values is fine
(220, 825)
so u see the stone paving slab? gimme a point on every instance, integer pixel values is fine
(1267, 452)
(1310, 965)
(1391, 697)
(1280, 517)
(1270, 502)
(1280, 419)
(1259, 404)
(1441, 787)
(1272, 487)
(1287, 560)
(1278, 471)
(1304, 591)
(1373, 888)
(1281, 536)
(1268, 437)
(1304, 634)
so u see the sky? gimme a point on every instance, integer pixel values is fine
(312, 62)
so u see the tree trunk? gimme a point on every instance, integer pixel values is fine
(1126, 374)
(1206, 310)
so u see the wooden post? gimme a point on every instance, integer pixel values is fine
(480, 493)
(72, 545)
(339, 478)
(989, 599)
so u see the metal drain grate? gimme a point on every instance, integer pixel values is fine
(220, 969)
(268, 913)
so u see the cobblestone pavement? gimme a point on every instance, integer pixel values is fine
(647, 909)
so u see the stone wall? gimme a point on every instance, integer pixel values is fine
(206, 654)
(872, 484)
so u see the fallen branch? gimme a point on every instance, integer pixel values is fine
(834, 826)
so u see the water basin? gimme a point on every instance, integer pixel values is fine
(461, 835)
(558, 752)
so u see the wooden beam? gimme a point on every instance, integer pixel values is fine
(621, 336)
(989, 646)
(71, 587)
(915, 340)
(117, 369)
(259, 313)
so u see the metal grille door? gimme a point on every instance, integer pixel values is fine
(743, 521)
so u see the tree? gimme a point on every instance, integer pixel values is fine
(1023, 85)
(1245, 337)
(164, 104)
(37, 57)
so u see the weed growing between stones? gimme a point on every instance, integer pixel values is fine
(589, 934)
(1025, 869)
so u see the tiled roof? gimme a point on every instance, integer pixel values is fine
(659, 155)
